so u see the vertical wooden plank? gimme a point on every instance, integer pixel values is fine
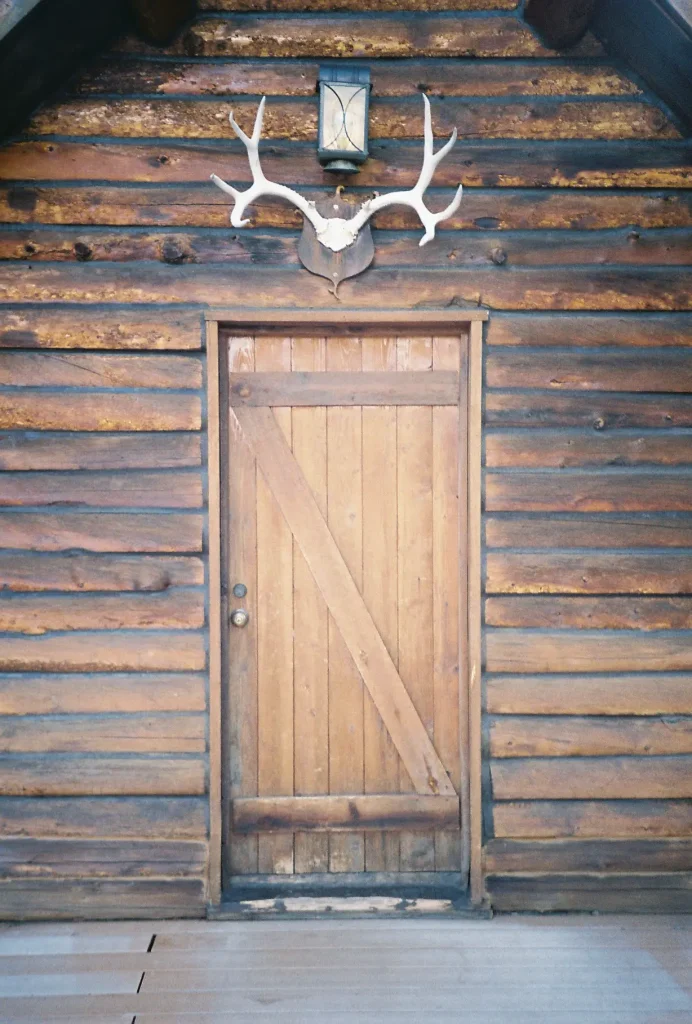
(242, 643)
(380, 587)
(415, 571)
(311, 622)
(463, 535)
(475, 407)
(445, 533)
(214, 499)
(274, 634)
(345, 518)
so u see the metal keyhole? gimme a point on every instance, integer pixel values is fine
(240, 618)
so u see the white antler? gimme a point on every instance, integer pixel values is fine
(414, 197)
(261, 186)
(336, 233)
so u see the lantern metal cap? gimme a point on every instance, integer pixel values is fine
(348, 74)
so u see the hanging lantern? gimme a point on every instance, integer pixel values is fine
(343, 119)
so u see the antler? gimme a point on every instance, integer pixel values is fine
(261, 186)
(414, 197)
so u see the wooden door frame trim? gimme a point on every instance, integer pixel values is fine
(470, 697)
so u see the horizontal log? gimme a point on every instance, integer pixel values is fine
(640, 694)
(598, 411)
(80, 573)
(102, 531)
(21, 451)
(562, 736)
(517, 650)
(87, 370)
(88, 694)
(589, 612)
(100, 411)
(553, 855)
(587, 573)
(629, 893)
(101, 776)
(80, 858)
(339, 35)
(344, 813)
(330, 6)
(555, 819)
(206, 207)
(579, 448)
(93, 818)
(296, 119)
(561, 164)
(389, 78)
(440, 387)
(604, 491)
(104, 652)
(595, 531)
(103, 734)
(582, 329)
(562, 369)
(112, 328)
(583, 778)
(575, 287)
(34, 614)
(393, 249)
(101, 899)
(135, 489)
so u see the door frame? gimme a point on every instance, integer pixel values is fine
(470, 666)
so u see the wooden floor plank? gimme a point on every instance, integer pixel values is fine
(66, 983)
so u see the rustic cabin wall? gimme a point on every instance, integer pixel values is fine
(574, 231)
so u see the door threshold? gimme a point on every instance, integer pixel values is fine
(353, 906)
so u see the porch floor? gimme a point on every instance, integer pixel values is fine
(560, 969)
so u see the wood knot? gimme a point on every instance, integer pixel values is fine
(83, 252)
(498, 256)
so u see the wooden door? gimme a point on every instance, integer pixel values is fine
(345, 526)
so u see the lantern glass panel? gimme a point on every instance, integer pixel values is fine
(343, 121)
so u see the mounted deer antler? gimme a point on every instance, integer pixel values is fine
(336, 233)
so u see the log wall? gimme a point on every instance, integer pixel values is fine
(574, 231)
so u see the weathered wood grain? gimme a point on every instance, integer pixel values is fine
(392, 811)
(135, 489)
(245, 35)
(149, 818)
(595, 531)
(393, 249)
(562, 369)
(599, 411)
(101, 899)
(110, 733)
(570, 288)
(503, 855)
(100, 411)
(604, 491)
(104, 652)
(100, 328)
(589, 612)
(607, 819)
(101, 776)
(516, 650)
(86, 370)
(584, 329)
(389, 78)
(88, 694)
(78, 573)
(638, 694)
(296, 119)
(203, 207)
(102, 531)
(577, 448)
(55, 858)
(544, 736)
(22, 451)
(506, 163)
(344, 388)
(592, 573)
(34, 614)
(583, 778)
(645, 893)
